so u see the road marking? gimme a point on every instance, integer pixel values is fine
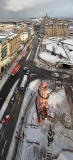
(33, 74)
(28, 55)
(1, 136)
(3, 148)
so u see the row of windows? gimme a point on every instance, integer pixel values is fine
(4, 52)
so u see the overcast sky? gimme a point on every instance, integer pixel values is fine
(34, 8)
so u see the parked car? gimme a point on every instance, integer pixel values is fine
(6, 119)
(26, 70)
(16, 90)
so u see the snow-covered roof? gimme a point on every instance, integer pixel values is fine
(2, 37)
(12, 35)
(9, 35)
(60, 46)
(70, 27)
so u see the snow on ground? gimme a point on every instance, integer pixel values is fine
(65, 156)
(62, 48)
(49, 47)
(70, 47)
(58, 101)
(31, 151)
(32, 135)
(30, 91)
(33, 86)
(71, 56)
(58, 49)
(68, 41)
(48, 57)
(63, 137)
(50, 40)
(4, 107)
(46, 41)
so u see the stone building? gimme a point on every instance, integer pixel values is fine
(13, 44)
(3, 54)
(9, 45)
(21, 28)
(55, 28)
(24, 36)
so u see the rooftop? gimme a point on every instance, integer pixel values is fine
(5, 36)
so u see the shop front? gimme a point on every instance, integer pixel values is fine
(4, 63)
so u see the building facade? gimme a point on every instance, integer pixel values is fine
(3, 52)
(9, 45)
(54, 28)
(24, 36)
(13, 44)
(21, 28)
(30, 31)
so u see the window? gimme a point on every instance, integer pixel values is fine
(4, 52)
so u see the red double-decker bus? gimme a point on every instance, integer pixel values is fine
(15, 70)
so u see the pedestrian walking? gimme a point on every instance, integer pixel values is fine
(50, 135)
(22, 120)
(23, 134)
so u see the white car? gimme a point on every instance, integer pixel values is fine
(25, 68)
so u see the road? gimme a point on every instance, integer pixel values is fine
(14, 108)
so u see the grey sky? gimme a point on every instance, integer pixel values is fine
(34, 8)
